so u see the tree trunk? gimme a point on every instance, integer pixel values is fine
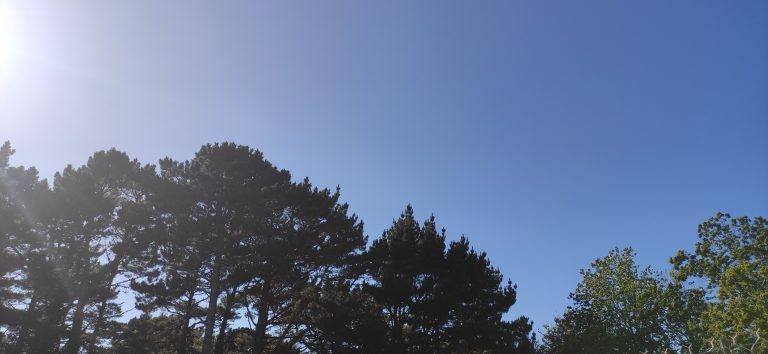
(76, 333)
(97, 326)
(210, 318)
(21, 341)
(220, 339)
(47, 328)
(113, 270)
(46, 339)
(184, 338)
(260, 332)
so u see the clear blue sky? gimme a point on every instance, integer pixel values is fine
(547, 132)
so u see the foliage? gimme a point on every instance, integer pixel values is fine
(225, 253)
(620, 308)
(436, 300)
(146, 334)
(731, 256)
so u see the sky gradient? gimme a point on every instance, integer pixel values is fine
(547, 132)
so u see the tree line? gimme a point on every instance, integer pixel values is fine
(226, 253)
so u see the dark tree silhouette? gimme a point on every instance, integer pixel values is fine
(220, 199)
(226, 254)
(243, 236)
(436, 300)
(97, 220)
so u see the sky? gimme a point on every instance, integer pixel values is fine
(548, 132)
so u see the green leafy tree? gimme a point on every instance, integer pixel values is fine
(731, 256)
(619, 308)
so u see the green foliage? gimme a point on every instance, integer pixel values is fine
(731, 256)
(620, 308)
(227, 254)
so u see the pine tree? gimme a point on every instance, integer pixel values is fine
(241, 234)
(94, 228)
(310, 240)
(436, 300)
(22, 196)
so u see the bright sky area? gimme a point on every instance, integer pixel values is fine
(548, 132)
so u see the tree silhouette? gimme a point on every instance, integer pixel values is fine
(27, 284)
(242, 235)
(225, 253)
(436, 300)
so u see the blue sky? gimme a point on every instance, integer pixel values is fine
(548, 132)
